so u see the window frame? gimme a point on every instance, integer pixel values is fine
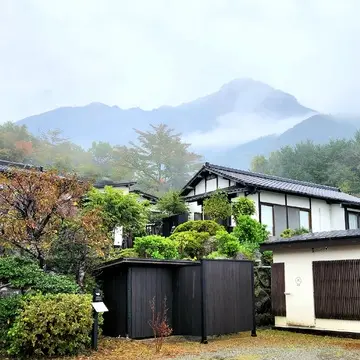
(347, 222)
(308, 211)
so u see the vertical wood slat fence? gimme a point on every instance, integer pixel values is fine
(337, 289)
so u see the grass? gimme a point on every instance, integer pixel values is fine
(119, 349)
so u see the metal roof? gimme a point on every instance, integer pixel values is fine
(145, 262)
(275, 183)
(334, 237)
(102, 183)
(5, 165)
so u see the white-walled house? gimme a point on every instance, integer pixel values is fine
(280, 203)
(127, 188)
(316, 281)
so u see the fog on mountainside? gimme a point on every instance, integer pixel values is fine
(242, 119)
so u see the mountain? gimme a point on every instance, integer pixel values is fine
(318, 128)
(242, 98)
(242, 119)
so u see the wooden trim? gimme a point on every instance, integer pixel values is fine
(129, 302)
(259, 207)
(205, 184)
(310, 208)
(253, 330)
(286, 212)
(229, 182)
(203, 305)
(217, 182)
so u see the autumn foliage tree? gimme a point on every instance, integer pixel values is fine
(33, 207)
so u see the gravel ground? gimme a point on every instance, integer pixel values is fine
(279, 353)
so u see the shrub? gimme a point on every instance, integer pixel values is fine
(243, 206)
(209, 226)
(287, 233)
(157, 247)
(171, 203)
(122, 253)
(190, 243)
(52, 325)
(217, 206)
(24, 274)
(228, 244)
(267, 257)
(9, 309)
(216, 255)
(249, 230)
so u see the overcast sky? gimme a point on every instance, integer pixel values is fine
(147, 53)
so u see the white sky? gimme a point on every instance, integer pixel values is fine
(148, 53)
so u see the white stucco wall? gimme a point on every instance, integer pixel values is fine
(300, 310)
(320, 215)
(223, 183)
(211, 185)
(337, 217)
(298, 201)
(272, 198)
(200, 187)
(193, 208)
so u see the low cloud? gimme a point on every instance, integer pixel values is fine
(235, 129)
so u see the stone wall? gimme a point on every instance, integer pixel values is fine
(262, 284)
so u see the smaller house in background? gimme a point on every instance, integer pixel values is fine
(280, 203)
(315, 281)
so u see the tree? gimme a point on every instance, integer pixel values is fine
(16, 143)
(217, 206)
(171, 203)
(33, 205)
(243, 206)
(161, 160)
(119, 209)
(81, 244)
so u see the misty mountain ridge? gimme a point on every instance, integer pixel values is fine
(242, 119)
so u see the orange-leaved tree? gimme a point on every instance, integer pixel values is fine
(33, 206)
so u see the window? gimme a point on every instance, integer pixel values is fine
(277, 218)
(353, 218)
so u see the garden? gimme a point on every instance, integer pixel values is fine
(55, 230)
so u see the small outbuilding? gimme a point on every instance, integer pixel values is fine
(316, 281)
(204, 298)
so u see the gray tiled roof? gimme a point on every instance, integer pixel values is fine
(6, 165)
(276, 183)
(322, 235)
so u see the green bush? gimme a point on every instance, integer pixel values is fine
(216, 255)
(203, 226)
(156, 247)
(26, 275)
(249, 230)
(51, 325)
(122, 253)
(9, 308)
(287, 233)
(190, 243)
(217, 207)
(243, 206)
(228, 244)
(267, 257)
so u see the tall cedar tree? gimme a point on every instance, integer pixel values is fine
(33, 206)
(160, 159)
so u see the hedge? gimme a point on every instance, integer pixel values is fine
(50, 325)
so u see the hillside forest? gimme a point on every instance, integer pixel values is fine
(159, 160)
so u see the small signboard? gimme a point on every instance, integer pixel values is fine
(99, 307)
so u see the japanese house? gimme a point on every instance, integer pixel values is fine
(316, 281)
(280, 203)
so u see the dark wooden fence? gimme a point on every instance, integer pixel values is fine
(211, 297)
(278, 289)
(337, 289)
